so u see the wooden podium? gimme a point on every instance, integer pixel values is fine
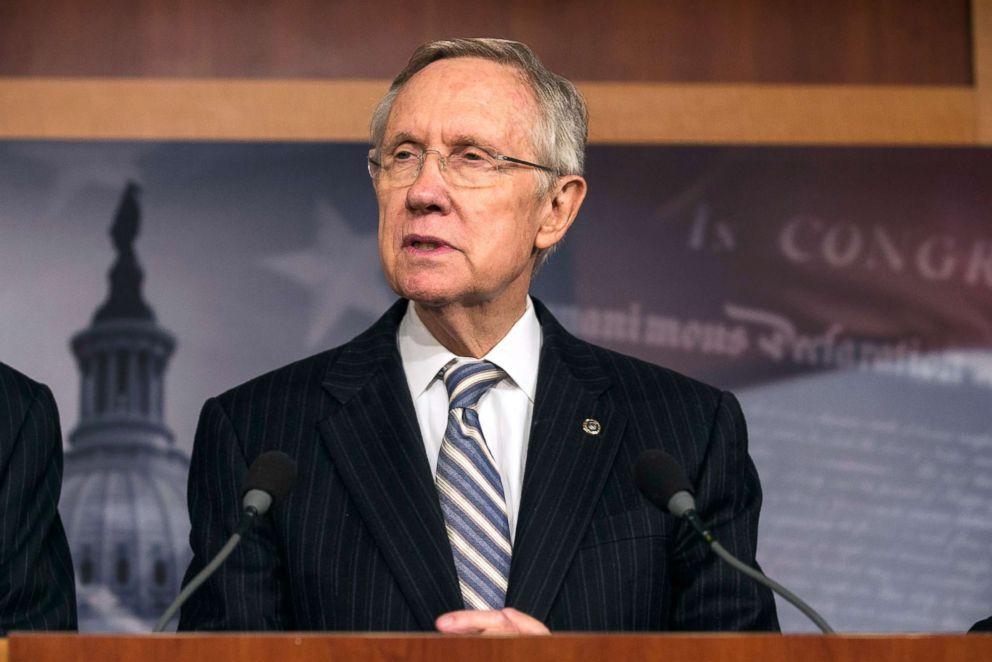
(442, 648)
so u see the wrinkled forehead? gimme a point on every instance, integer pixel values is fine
(455, 98)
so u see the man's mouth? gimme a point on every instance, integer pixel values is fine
(420, 243)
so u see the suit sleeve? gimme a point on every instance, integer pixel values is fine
(248, 592)
(37, 589)
(708, 593)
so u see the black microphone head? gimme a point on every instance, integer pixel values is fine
(272, 472)
(659, 476)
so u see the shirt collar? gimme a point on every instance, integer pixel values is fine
(518, 353)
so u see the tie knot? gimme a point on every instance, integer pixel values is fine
(468, 381)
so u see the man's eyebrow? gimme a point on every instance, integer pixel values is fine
(467, 140)
(460, 140)
(399, 139)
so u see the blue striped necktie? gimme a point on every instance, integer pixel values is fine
(471, 491)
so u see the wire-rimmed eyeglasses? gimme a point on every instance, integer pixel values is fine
(467, 166)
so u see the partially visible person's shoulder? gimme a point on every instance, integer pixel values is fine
(18, 391)
(982, 626)
(11, 378)
(23, 399)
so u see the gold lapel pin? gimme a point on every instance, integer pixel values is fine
(591, 426)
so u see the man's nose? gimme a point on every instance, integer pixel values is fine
(429, 190)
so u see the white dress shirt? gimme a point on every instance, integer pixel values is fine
(505, 412)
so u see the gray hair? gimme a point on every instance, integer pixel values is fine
(559, 138)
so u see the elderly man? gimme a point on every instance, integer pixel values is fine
(465, 462)
(37, 591)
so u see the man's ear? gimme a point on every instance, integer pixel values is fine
(562, 206)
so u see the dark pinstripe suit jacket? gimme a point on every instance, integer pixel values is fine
(37, 590)
(360, 544)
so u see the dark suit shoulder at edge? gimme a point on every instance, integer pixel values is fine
(10, 374)
(21, 393)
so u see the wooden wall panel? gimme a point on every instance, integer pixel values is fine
(262, 43)
(918, 42)
(156, 109)
(982, 11)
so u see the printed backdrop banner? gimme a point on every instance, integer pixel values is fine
(845, 295)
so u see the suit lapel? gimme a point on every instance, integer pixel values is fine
(566, 469)
(375, 443)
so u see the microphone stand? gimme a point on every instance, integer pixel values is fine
(250, 514)
(762, 579)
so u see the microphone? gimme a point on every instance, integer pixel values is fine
(661, 480)
(270, 476)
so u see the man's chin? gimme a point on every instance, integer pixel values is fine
(434, 302)
(427, 290)
(429, 297)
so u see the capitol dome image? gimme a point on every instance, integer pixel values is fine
(124, 490)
